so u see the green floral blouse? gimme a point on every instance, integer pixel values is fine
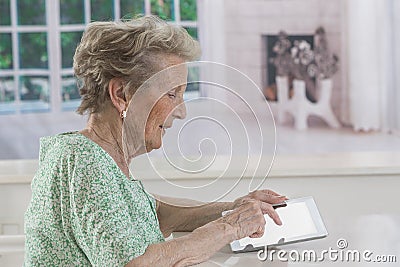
(84, 211)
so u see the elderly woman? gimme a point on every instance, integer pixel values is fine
(86, 207)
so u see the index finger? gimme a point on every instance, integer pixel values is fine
(268, 209)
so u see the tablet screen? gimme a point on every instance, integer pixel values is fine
(301, 221)
(296, 222)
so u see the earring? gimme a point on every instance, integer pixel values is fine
(123, 114)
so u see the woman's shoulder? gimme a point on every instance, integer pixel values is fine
(72, 155)
(68, 144)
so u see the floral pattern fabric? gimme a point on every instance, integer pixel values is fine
(84, 211)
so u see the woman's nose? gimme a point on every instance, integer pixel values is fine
(180, 111)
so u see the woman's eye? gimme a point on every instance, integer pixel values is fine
(171, 95)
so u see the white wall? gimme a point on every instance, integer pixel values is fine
(20, 133)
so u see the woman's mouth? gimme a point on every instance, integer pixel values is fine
(162, 128)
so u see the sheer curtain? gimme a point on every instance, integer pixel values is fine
(373, 57)
(211, 19)
(396, 46)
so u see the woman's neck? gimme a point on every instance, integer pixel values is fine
(105, 129)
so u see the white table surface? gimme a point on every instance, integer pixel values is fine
(227, 258)
(379, 234)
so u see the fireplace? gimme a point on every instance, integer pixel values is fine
(270, 72)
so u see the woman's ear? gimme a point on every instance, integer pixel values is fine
(117, 95)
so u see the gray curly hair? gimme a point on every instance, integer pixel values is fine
(129, 49)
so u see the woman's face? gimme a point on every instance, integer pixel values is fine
(169, 107)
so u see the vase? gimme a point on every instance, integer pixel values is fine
(324, 102)
(299, 89)
(325, 91)
(282, 94)
(300, 106)
(282, 88)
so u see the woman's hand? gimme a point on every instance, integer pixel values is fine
(263, 200)
(248, 218)
(266, 195)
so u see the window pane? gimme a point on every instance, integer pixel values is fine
(33, 50)
(34, 93)
(70, 89)
(192, 32)
(188, 9)
(70, 93)
(193, 79)
(72, 12)
(130, 8)
(5, 51)
(5, 12)
(102, 10)
(69, 42)
(7, 89)
(163, 8)
(31, 12)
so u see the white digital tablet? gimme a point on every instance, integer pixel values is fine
(301, 221)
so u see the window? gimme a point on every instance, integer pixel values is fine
(38, 39)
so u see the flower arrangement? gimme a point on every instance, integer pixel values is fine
(282, 60)
(301, 61)
(325, 65)
(302, 56)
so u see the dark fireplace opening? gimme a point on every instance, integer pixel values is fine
(269, 71)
